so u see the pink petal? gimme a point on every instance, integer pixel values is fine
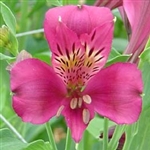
(139, 15)
(116, 92)
(67, 52)
(109, 3)
(74, 120)
(75, 123)
(37, 96)
(79, 19)
(71, 58)
(98, 45)
(65, 40)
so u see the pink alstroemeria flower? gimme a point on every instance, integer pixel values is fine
(138, 14)
(109, 3)
(76, 86)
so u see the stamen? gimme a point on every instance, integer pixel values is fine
(59, 111)
(76, 146)
(59, 19)
(87, 99)
(115, 19)
(79, 6)
(80, 102)
(74, 103)
(86, 116)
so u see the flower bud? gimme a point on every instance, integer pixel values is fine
(8, 41)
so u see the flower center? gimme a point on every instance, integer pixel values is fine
(77, 102)
(77, 66)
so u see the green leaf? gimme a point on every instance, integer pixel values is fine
(145, 57)
(148, 44)
(5, 57)
(54, 3)
(88, 142)
(114, 53)
(73, 2)
(144, 65)
(115, 56)
(96, 126)
(44, 56)
(8, 140)
(142, 138)
(38, 145)
(37, 6)
(8, 17)
(90, 2)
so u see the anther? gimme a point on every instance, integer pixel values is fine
(59, 19)
(87, 99)
(79, 6)
(86, 116)
(80, 102)
(115, 19)
(74, 103)
(59, 111)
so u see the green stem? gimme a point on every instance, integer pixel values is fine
(23, 22)
(116, 136)
(131, 131)
(76, 146)
(30, 32)
(50, 136)
(143, 139)
(105, 137)
(12, 128)
(68, 140)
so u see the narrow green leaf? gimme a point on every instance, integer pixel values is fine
(38, 145)
(54, 3)
(114, 53)
(145, 57)
(5, 57)
(144, 65)
(141, 140)
(88, 142)
(115, 56)
(37, 6)
(8, 140)
(148, 44)
(90, 2)
(121, 58)
(96, 126)
(8, 17)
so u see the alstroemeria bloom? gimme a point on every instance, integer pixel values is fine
(76, 86)
(109, 3)
(136, 16)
